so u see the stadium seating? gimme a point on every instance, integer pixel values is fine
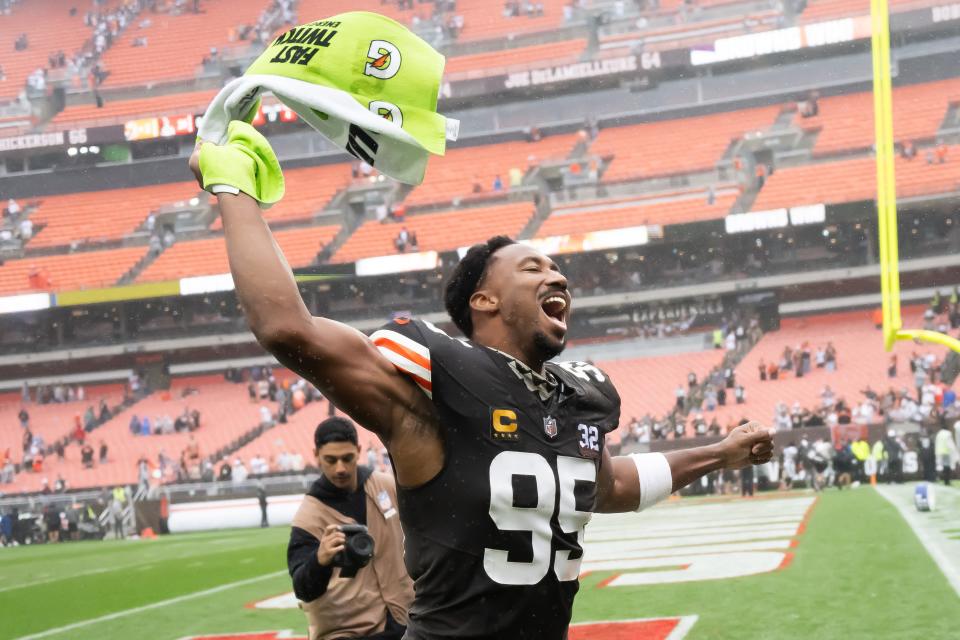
(820, 10)
(308, 10)
(296, 436)
(116, 111)
(453, 175)
(69, 272)
(685, 208)
(49, 28)
(846, 121)
(494, 62)
(647, 385)
(226, 412)
(176, 44)
(674, 146)
(861, 361)
(308, 191)
(437, 231)
(484, 20)
(209, 256)
(49, 421)
(96, 215)
(855, 179)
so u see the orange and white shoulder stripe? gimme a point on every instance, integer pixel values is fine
(409, 356)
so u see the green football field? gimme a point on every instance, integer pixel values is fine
(852, 568)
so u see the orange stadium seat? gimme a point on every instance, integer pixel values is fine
(846, 121)
(855, 179)
(452, 176)
(674, 146)
(176, 44)
(679, 211)
(226, 412)
(115, 111)
(819, 10)
(209, 256)
(493, 62)
(647, 385)
(484, 20)
(437, 231)
(49, 27)
(102, 215)
(69, 272)
(861, 361)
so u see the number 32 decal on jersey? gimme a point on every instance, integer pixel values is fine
(536, 519)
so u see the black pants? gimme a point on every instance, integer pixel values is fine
(746, 481)
(895, 472)
(946, 473)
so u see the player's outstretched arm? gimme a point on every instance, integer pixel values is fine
(629, 483)
(339, 360)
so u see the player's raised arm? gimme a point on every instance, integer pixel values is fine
(638, 481)
(339, 360)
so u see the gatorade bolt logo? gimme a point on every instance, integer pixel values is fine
(383, 60)
(387, 111)
(504, 425)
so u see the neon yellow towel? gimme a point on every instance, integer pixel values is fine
(364, 81)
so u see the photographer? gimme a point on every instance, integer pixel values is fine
(343, 591)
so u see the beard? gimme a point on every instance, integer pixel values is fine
(547, 347)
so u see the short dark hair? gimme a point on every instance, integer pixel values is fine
(466, 278)
(335, 429)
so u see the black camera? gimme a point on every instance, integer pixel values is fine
(357, 550)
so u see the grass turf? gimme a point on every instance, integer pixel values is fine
(858, 571)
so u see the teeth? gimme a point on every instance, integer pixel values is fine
(556, 299)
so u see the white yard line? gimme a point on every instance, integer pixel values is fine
(153, 605)
(933, 545)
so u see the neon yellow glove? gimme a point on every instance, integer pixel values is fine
(246, 162)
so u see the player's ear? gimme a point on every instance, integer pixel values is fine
(482, 300)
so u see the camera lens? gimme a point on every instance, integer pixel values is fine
(362, 545)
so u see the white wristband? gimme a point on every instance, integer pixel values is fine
(223, 188)
(656, 479)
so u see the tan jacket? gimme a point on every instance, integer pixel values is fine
(358, 606)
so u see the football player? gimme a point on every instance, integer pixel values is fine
(498, 452)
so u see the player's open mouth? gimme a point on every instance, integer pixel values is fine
(555, 308)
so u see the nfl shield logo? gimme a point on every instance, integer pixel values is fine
(550, 427)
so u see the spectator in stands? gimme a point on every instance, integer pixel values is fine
(24, 418)
(681, 397)
(740, 394)
(940, 152)
(59, 485)
(497, 183)
(400, 242)
(13, 208)
(21, 43)
(830, 357)
(86, 456)
(103, 452)
(135, 425)
(908, 150)
(239, 471)
(266, 417)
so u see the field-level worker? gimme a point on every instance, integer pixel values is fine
(879, 455)
(372, 603)
(946, 451)
(861, 451)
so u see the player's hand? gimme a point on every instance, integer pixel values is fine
(750, 443)
(330, 544)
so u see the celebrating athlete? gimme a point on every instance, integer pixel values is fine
(498, 452)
